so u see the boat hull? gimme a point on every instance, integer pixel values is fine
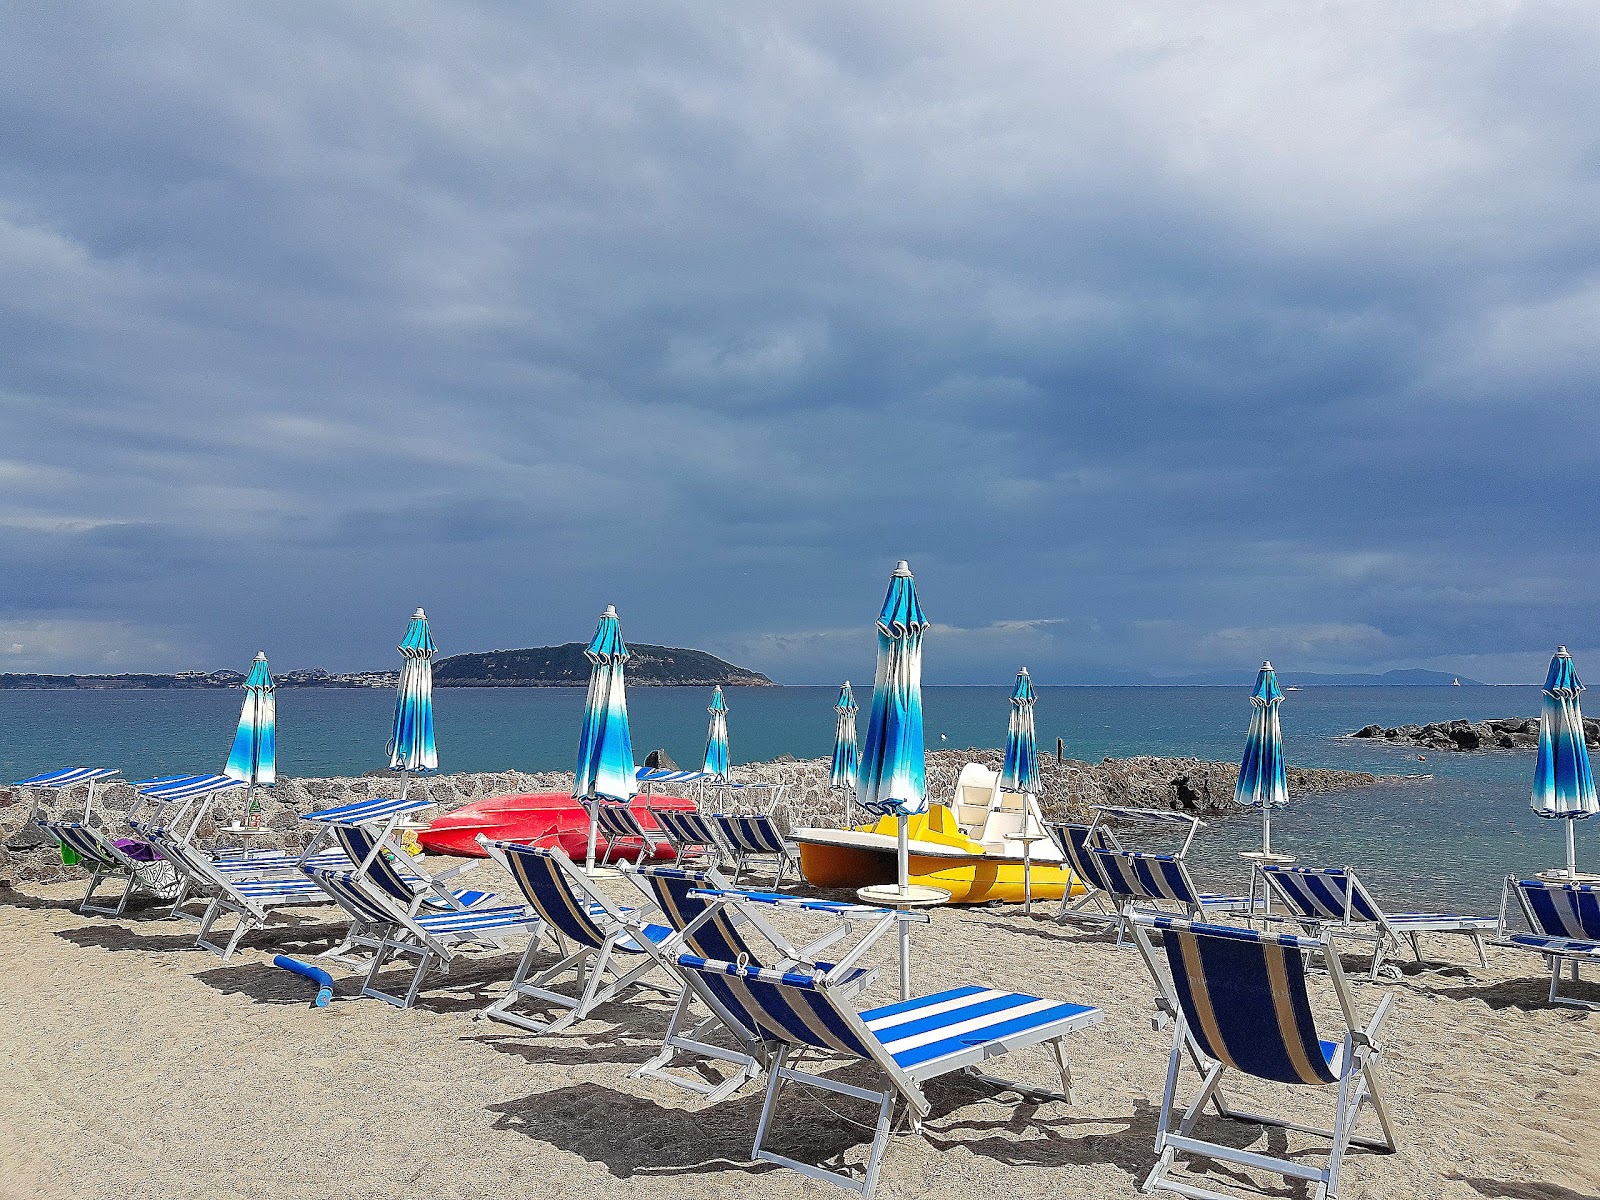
(541, 819)
(841, 862)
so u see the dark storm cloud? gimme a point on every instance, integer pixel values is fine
(1159, 341)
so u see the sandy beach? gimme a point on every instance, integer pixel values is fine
(136, 1064)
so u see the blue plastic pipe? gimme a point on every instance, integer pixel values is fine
(317, 975)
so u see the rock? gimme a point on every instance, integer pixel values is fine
(660, 760)
(1369, 731)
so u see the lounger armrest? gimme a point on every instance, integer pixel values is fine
(1368, 1037)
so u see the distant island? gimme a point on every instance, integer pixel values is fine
(1292, 678)
(537, 666)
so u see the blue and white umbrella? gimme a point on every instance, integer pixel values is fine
(254, 757)
(1020, 770)
(411, 747)
(716, 763)
(605, 747)
(892, 779)
(842, 773)
(1563, 781)
(1263, 781)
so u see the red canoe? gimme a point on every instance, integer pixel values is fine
(546, 819)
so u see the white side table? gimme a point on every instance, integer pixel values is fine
(910, 898)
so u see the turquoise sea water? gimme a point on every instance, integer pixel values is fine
(1441, 840)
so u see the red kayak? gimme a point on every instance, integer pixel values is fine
(546, 819)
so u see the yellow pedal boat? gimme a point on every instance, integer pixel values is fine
(970, 850)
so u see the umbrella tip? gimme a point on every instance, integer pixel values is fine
(419, 615)
(902, 569)
(1561, 652)
(261, 656)
(1266, 664)
(611, 611)
(1024, 671)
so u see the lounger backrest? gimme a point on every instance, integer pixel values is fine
(1569, 910)
(84, 842)
(716, 937)
(358, 842)
(786, 1006)
(1134, 874)
(753, 833)
(618, 821)
(1321, 893)
(1073, 842)
(684, 828)
(539, 876)
(1243, 994)
(344, 887)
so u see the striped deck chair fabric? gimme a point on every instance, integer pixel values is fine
(625, 832)
(106, 860)
(430, 937)
(1136, 879)
(1243, 1001)
(749, 836)
(690, 834)
(908, 1043)
(400, 878)
(1563, 925)
(248, 901)
(1094, 906)
(602, 939)
(1333, 900)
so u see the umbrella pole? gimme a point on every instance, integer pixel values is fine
(904, 859)
(594, 820)
(1572, 856)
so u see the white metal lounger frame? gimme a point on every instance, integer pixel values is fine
(755, 835)
(691, 833)
(618, 822)
(802, 1014)
(1074, 842)
(1355, 1063)
(599, 931)
(106, 860)
(1564, 922)
(248, 901)
(1333, 901)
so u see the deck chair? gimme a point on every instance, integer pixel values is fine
(104, 860)
(1242, 1000)
(432, 938)
(604, 939)
(691, 835)
(1095, 906)
(690, 903)
(620, 824)
(748, 836)
(1138, 880)
(1564, 925)
(1333, 901)
(800, 1013)
(248, 900)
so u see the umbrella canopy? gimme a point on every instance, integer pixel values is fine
(1263, 781)
(605, 747)
(716, 763)
(892, 777)
(1020, 770)
(411, 747)
(842, 774)
(254, 757)
(1563, 781)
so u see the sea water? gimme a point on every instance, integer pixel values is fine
(1443, 839)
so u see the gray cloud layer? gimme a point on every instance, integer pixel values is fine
(1158, 338)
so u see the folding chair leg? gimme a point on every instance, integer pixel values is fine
(883, 1129)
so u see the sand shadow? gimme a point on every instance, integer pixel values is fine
(615, 1028)
(118, 938)
(1525, 995)
(1503, 1189)
(10, 897)
(267, 984)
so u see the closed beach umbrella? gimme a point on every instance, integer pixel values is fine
(842, 773)
(717, 738)
(1263, 781)
(254, 757)
(411, 748)
(605, 747)
(892, 779)
(1020, 770)
(1563, 781)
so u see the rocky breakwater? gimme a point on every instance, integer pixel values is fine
(1510, 733)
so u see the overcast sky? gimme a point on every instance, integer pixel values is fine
(1160, 338)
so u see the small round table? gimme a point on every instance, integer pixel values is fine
(1028, 839)
(1260, 858)
(913, 896)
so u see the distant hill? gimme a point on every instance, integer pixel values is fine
(539, 666)
(565, 666)
(1409, 678)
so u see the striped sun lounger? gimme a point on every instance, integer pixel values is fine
(748, 836)
(602, 937)
(1138, 880)
(907, 1044)
(431, 938)
(1332, 900)
(1096, 906)
(1563, 925)
(106, 860)
(691, 835)
(1242, 1003)
(625, 832)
